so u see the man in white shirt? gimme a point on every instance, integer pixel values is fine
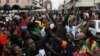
(71, 28)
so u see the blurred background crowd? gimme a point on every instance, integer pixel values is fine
(50, 33)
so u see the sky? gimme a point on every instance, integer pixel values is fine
(55, 3)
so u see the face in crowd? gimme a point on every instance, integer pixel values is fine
(18, 50)
(70, 37)
(71, 23)
(31, 44)
(58, 21)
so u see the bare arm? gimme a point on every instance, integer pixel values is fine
(49, 48)
(55, 37)
(84, 27)
(68, 14)
(79, 25)
(59, 40)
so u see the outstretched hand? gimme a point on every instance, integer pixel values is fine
(73, 5)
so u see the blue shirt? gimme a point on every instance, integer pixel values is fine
(70, 49)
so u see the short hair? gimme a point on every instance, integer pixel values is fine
(29, 40)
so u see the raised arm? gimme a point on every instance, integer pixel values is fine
(63, 43)
(85, 25)
(79, 25)
(54, 36)
(49, 31)
(68, 14)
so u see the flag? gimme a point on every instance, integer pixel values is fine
(3, 39)
(91, 44)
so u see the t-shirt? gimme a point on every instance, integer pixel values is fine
(24, 22)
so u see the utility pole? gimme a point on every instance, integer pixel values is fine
(64, 7)
(42, 3)
(94, 4)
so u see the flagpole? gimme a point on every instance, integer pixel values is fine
(94, 4)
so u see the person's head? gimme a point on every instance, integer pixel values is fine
(92, 9)
(70, 23)
(71, 20)
(31, 44)
(70, 37)
(17, 50)
(44, 19)
(23, 14)
(58, 21)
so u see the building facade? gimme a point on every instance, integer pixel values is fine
(87, 3)
(27, 3)
(20, 3)
(83, 3)
(47, 4)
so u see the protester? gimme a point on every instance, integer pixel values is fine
(68, 44)
(49, 34)
(17, 51)
(33, 47)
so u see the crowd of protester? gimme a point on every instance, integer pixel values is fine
(49, 34)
